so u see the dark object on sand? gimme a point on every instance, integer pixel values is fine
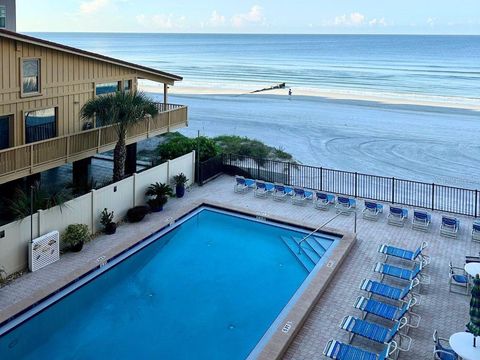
(273, 87)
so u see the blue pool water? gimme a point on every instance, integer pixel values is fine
(209, 289)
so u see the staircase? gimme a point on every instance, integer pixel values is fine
(309, 252)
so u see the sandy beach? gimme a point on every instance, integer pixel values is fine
(393, 99)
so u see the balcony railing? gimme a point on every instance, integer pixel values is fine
(39, 156)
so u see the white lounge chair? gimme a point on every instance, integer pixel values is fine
(262, 189)
(280, 192)
(345, 205)
(301, 196)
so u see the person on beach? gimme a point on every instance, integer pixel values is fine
(290, 92)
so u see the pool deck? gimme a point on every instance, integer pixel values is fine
(447, 312)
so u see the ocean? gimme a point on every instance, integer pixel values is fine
(425, 143)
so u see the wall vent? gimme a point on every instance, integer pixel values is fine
(44, 251)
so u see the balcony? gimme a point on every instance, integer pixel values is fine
(36, 157)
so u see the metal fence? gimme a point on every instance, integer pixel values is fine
(379, 188)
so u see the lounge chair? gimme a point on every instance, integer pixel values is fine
(459, 279)
(421, 220)
(242, 184)
(397, 216)
(450, 226)
(280, 192)
(390, 250)
(402, 273)
(375, 332)
(386, 311)
(340, 351)
(262, 188)
(390, 292)
(345, 205)
(301, 196)
(476, 231)
(441, 351)
(372, 210)
(323, 201)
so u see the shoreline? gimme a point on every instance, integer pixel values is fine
(299, 91)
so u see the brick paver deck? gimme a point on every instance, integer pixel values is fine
(439, 309)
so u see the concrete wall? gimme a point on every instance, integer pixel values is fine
(86, 209)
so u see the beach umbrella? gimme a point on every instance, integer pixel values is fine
(474, 325)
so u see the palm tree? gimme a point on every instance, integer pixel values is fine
(123, 110)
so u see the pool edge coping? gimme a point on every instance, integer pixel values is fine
(279, 341)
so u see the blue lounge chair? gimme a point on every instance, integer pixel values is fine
(280, 192)
(390, 250)
(402, 273)
(476, 231)
(441, 351)
(301, 196)
(458, 278)
(241, 185)
(390, 292)
(345, 205)
(372, 210)
(421, 220)
(397, 216)
(375, 332)
(386, 311)
(340, 351)
(262, 188)
(450, 226)
(323, 201)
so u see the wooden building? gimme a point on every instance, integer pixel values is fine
(43, 86)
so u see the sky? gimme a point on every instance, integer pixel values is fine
(257, 16)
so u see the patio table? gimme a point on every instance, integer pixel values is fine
(462, 344)
(472, 268)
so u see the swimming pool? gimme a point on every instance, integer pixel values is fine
(207, 288)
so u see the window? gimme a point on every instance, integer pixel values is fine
(4, 132)
(3, 16)
(107, 88)
(127, 85)
(31, 76)
(40, 125)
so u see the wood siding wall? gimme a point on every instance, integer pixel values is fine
(67, 81)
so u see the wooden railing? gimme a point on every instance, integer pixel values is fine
(35, 157)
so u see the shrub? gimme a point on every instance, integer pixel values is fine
(159, 193)
(75, 234)
(180, 179)
(178, 145)
(137, 213)
(106, 217)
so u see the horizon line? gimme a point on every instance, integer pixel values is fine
(232, 33)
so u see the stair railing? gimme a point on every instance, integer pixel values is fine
(320, 227)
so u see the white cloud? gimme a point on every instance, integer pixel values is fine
(216, 19)
(354, 19)
(90, 7)
(377, 22)
(161, 21)
(431, 22)
(255, 15)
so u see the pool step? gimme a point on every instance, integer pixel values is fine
(314, 244)
(301, 256)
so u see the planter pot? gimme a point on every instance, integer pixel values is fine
(156, 208)
(77, 247)
(137, 213)
(111, 228)
(180, 190)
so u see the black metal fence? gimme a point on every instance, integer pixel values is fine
(379, 188)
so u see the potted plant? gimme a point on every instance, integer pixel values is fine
(75, 236)
(180, 180)
(137, 213)
(106, 219)
(159, 194)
